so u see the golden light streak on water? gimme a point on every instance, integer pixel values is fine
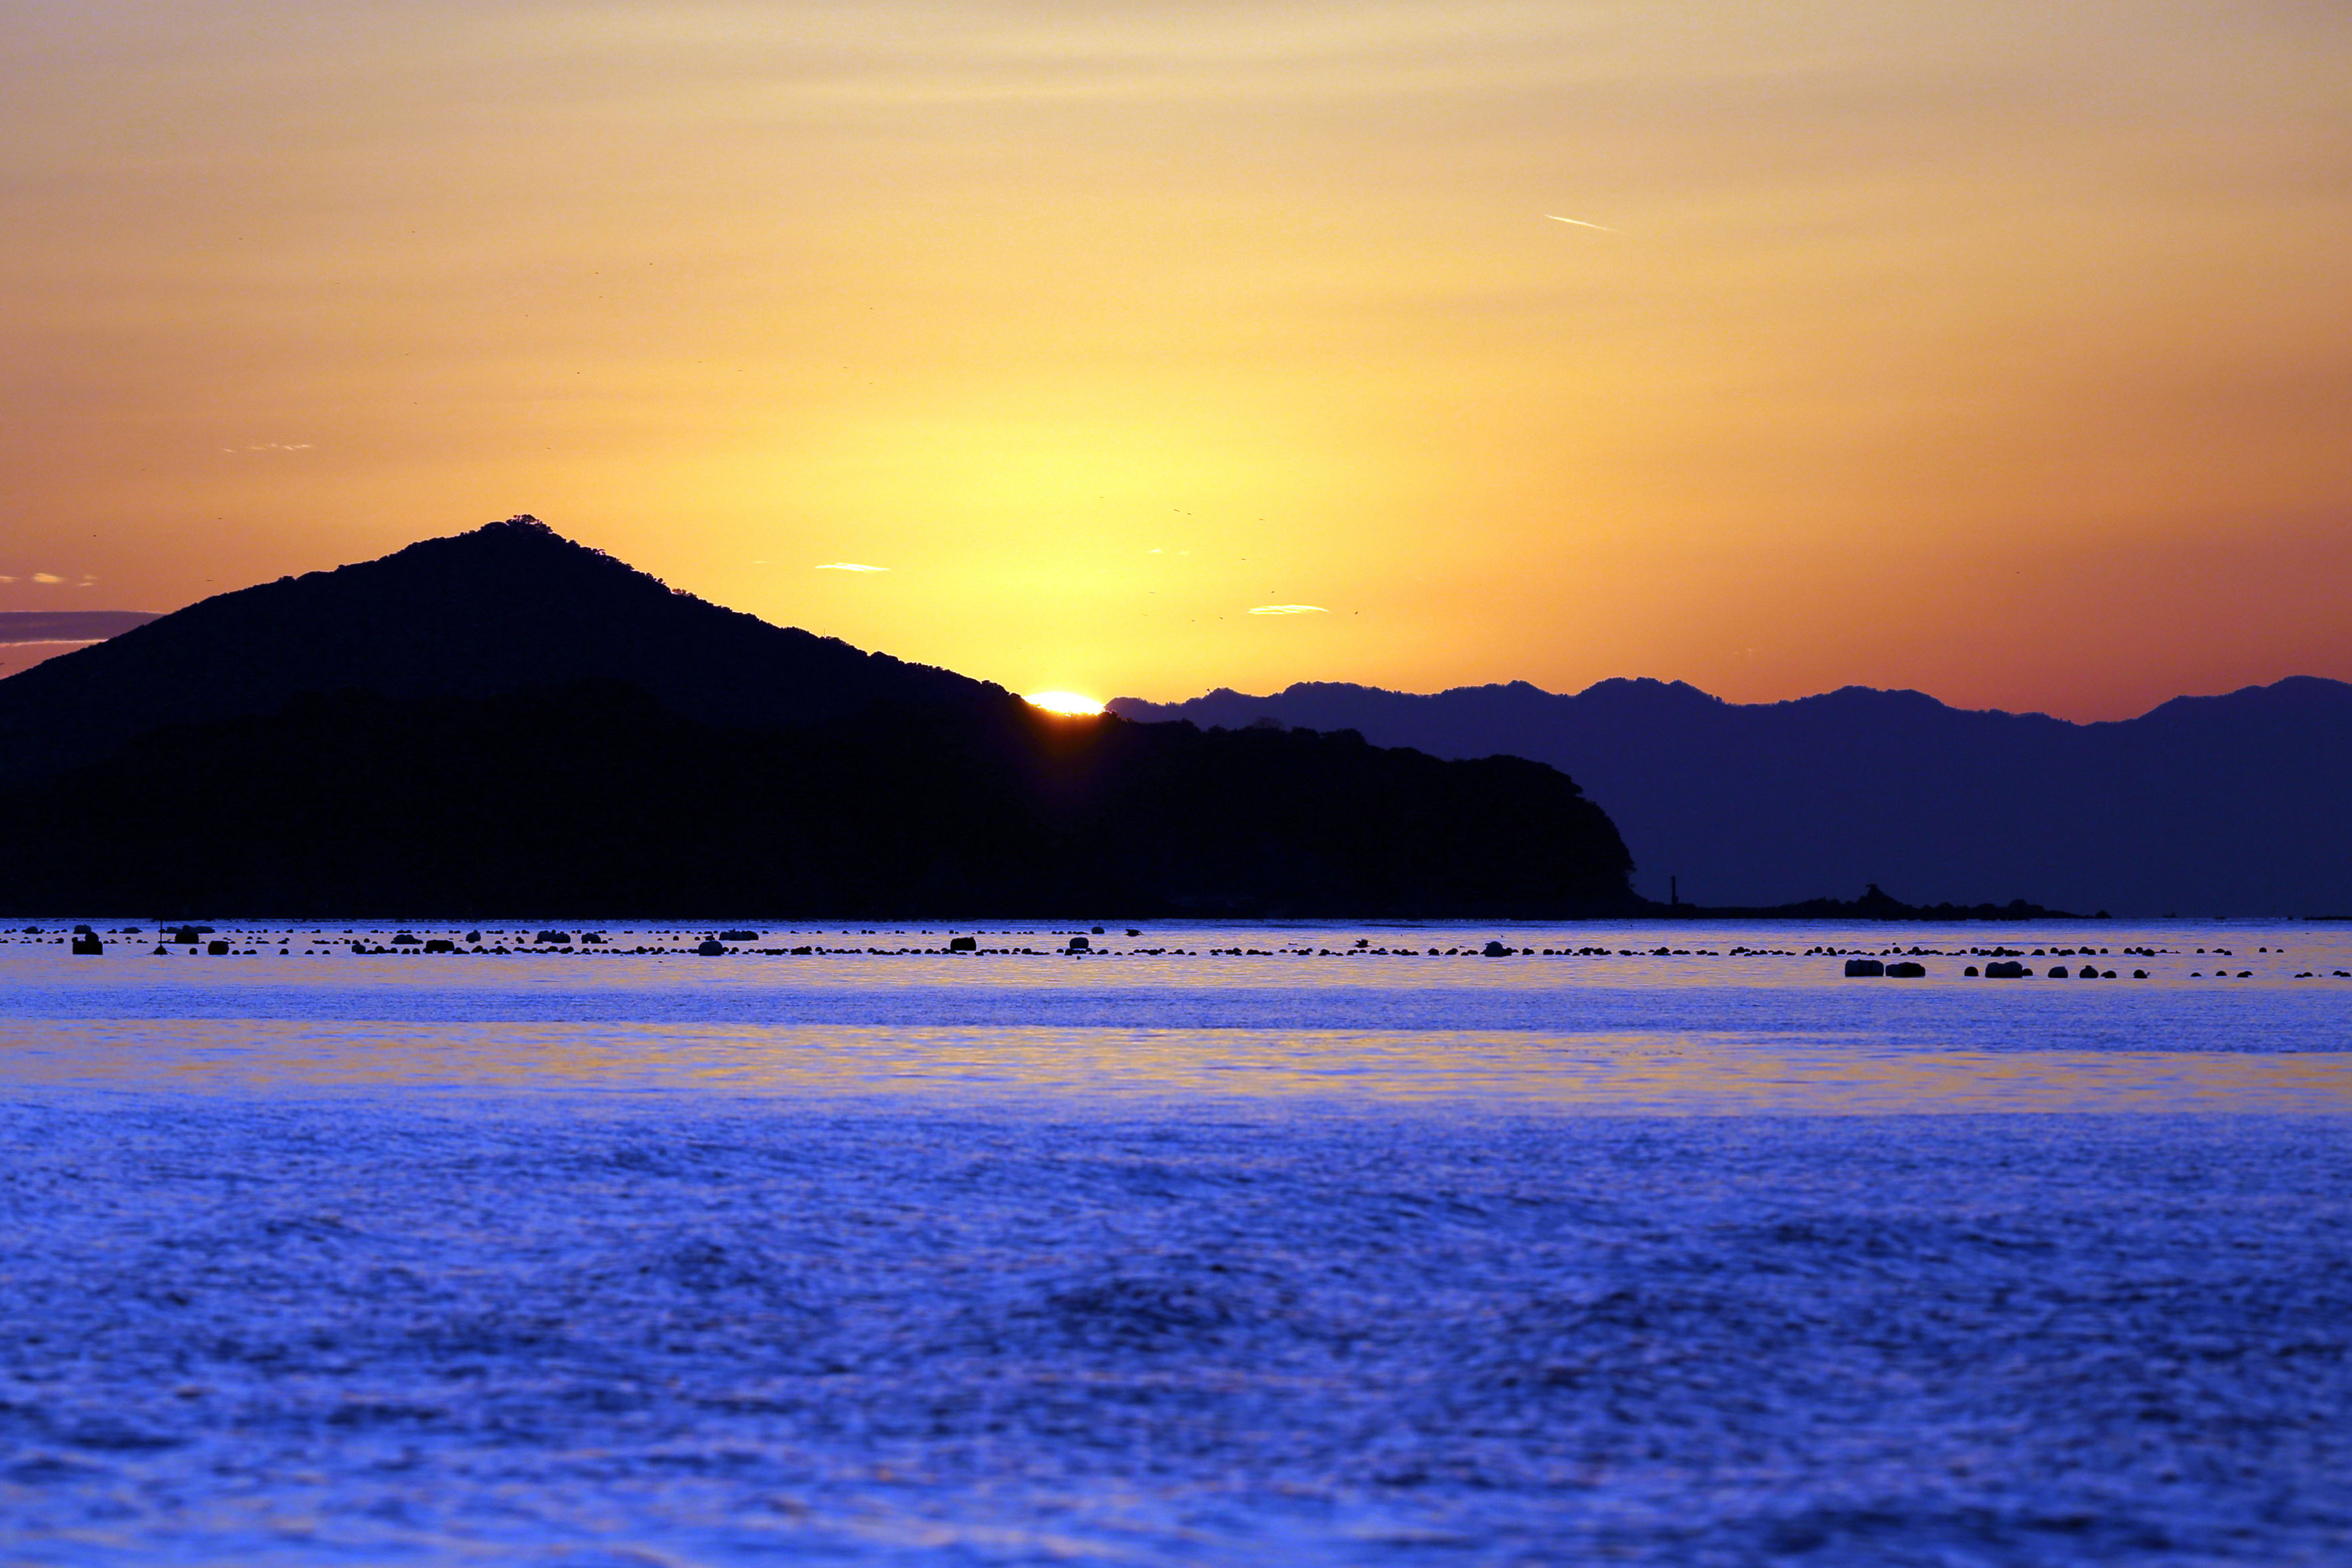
(1713, 1074)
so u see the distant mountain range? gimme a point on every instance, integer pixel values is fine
(506, 722)
(2239, 804)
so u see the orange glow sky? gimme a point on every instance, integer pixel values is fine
(2001, 351)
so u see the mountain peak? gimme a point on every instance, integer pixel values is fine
(522, 530)
(519, 543)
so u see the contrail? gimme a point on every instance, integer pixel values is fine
(1580, 222)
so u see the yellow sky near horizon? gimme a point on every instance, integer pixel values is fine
(2001, 351)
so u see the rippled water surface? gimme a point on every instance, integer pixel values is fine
(1218, 1245)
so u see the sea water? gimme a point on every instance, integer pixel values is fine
(1214, 1244)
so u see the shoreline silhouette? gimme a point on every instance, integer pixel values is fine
(504, 719)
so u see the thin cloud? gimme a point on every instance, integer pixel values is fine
(1580, 222)
(849, 566)
(20, 626)
(48, 577)
(1290, 609)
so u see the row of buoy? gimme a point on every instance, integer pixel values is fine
(192, 936)
(1899, 969)
(86, 941)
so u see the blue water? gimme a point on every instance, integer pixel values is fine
(880, 1255)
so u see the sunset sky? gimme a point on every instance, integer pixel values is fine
(2001, 351)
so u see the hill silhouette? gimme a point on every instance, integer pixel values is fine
(504, 608)
(505, 721)
(2236, 804)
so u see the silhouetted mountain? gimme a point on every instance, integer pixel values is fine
(443, 757)
(68, 625)
(2236, 804)
(505, 608)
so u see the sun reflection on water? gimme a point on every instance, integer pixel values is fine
(1621, 1074)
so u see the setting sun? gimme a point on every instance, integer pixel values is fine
(1064, 702)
